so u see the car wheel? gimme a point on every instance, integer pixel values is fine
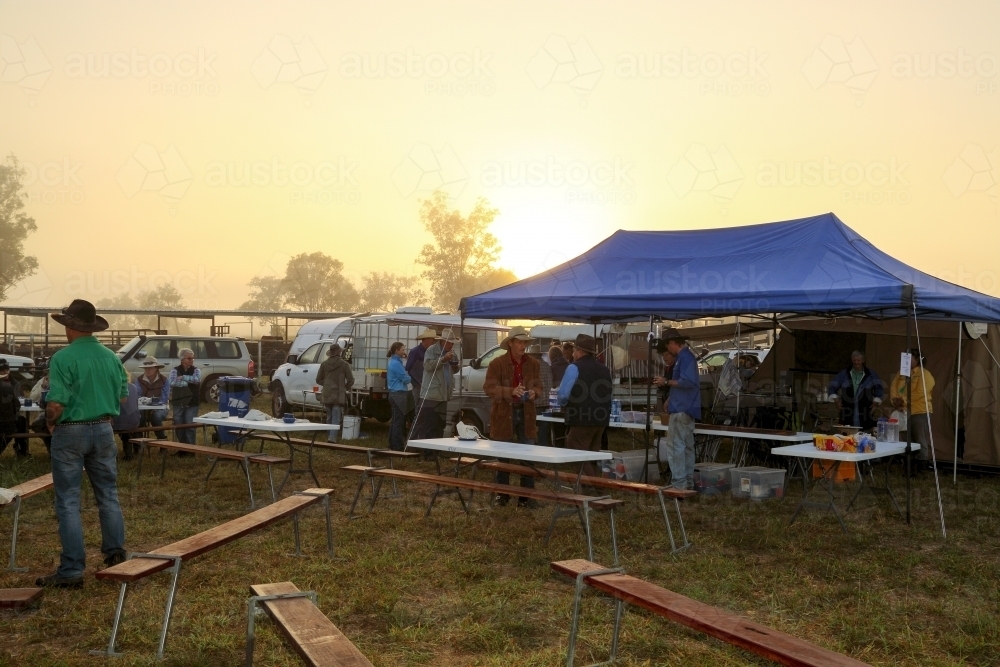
(278, 402)
(211, 390)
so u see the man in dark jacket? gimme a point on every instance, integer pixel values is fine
(11, 419)
(336, 378)
(586, 391)
(513, 382)
(858, 390)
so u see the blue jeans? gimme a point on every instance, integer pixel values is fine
(526, 481)
(397, 427)
(75, 447)
(185, 414)
(154, 418)
(680, 450)
(334, 415)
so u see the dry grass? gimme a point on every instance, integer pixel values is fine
(477, 590)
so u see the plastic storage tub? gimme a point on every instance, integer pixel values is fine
(712, 478)
(634, 460)
(757, 483)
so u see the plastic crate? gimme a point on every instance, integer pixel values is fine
(757, 483)
(712, 478)
(634, 459)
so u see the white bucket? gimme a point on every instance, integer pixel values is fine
(351, 428)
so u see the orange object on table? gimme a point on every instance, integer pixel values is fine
(846, 471)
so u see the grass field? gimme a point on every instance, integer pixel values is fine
(477, 590)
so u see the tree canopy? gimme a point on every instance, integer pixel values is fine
(462, 259)
(15, 226)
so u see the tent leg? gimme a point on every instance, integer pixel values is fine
(958, 390)
(909, 441)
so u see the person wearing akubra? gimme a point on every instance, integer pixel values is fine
(440, 364)
(87, 385)
(586, 391)
(513, 383)
(153, 385)
(684, 407)
(415, 363)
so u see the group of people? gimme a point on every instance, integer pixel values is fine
(860, 393)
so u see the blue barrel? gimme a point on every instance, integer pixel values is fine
(234, 398)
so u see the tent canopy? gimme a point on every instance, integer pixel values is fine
(814, 265)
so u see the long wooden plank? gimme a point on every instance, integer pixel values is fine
(15, 598)
(778, 646)
(313, 636)
(335, 446)
(207, 451)
(34, 486)
(488, 487)
(587, 480)
(188, 548)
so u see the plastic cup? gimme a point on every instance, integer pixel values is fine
(289, 418)
(315, 388)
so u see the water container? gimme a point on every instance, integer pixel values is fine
(882, 429)
(553, 399)
(616, 410)
(893, 431)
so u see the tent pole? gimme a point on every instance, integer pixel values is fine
(958, 388)
(649, 402)
(909, 406)
(774, 363)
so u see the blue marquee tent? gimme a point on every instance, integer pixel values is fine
(816, 266)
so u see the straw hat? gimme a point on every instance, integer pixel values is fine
(427, 333)
(448, 336)
(516, 333)
(151, 362)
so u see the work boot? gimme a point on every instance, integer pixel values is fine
(114, 558)
(528, 503)
(55, 581)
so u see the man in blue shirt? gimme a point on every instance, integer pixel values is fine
(585, 391)
(684, 406)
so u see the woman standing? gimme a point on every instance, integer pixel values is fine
(399, 381)
(185, 393)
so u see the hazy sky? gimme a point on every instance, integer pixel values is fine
(205, 143)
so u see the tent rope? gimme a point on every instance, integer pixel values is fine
(930, 431)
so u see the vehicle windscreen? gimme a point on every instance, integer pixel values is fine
(127, 347)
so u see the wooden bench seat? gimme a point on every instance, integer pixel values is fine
(170, 557)
(731, 628)
(583, 504)
(19, 598)
(661, 492)
(25, 490)
(244, 459)
(313, 636)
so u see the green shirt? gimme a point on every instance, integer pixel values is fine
(88, 380)
(856, 378)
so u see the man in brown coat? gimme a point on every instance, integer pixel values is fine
(336, 378)
(513, 382)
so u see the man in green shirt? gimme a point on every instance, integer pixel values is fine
(87, 384)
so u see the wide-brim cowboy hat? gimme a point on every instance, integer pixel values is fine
(81, 316)
(672, 334)
(516, 333)
(448, 336)
(585, 343)
(427, 333)
(151, 362)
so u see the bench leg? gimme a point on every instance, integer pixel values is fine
(138, 465)
(163, 462)
(586, 529)
(614, 541)
(378, 489)
(13, 538)
(357, 494)
(329, 526)
(110, 651)
(211, 468)
(575, 623)
(170, 607)
(298, 543)
(252, 615)
(270, 480)
(666, 520)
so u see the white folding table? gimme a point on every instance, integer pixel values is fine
(829, 462)
(278, 427)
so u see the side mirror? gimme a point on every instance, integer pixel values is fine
(475, 364)
(292, 359)
(141, 354)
